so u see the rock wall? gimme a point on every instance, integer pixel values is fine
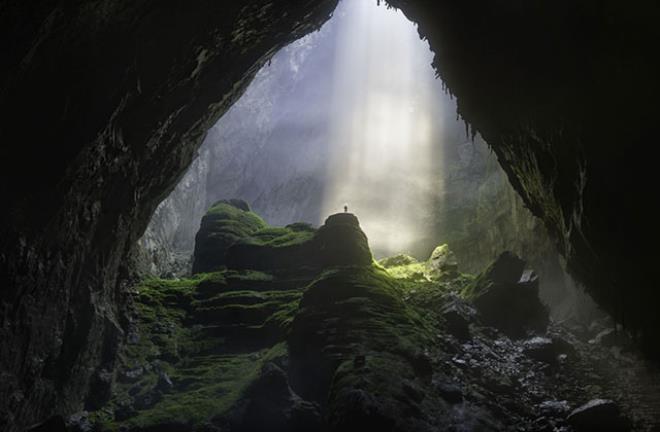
(107, 104)
(563, 92)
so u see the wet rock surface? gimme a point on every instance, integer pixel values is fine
(507, 297)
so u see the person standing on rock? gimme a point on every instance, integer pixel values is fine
(345, 208)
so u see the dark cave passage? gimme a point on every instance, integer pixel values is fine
(363, 261)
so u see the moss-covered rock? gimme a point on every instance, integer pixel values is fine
(340, 241)
(397, 260)
(224, 224)
(352, 331)
(195, 347)
(335, 343)
(440, 266)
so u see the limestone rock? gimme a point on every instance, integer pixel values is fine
(507, 297)
(458, 315)
(442, 263)
(224, 224)
(545, 349)
(598, 415)
(339, 242)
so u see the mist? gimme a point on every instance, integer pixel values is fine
(350, 115)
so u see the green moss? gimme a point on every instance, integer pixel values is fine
(211, 334)
(360, 312)
(208, 372)
(397, 260)
(213, 385)
(280, 237)
(414, 271)
(234, 216)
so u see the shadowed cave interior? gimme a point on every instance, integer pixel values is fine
(301, 216)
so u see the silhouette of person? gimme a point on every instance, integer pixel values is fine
(345, 209)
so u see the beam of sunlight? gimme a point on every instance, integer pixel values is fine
(382, 127)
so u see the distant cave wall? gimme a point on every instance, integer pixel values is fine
(258, 151)
(566, 94)
(105, 104)
(166, 246)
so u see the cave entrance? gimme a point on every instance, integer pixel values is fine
(354, 115)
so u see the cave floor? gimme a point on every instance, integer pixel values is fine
(200, 348)
(299, 329)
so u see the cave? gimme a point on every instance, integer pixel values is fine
(182, 250)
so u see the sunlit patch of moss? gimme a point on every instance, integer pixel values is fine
(397, 260)
(280, 236)
(223, 211)
(415, 271)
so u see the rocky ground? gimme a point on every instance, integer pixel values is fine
(297, 329)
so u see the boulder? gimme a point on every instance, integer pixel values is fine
(458, 315)
(442, 263)
(547, 350)
(507, 297)
(599, 415)
(507, 269)
(80, 422)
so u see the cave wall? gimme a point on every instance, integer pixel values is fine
(565, 93)
(105, 103)
(165, 248)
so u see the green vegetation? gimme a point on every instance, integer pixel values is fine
(234, 221)
(194, 331)
(279, 236)
(413, 271)
(322, 307)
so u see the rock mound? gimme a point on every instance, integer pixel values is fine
(506, 297)
(225, 223)
(339, 242)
